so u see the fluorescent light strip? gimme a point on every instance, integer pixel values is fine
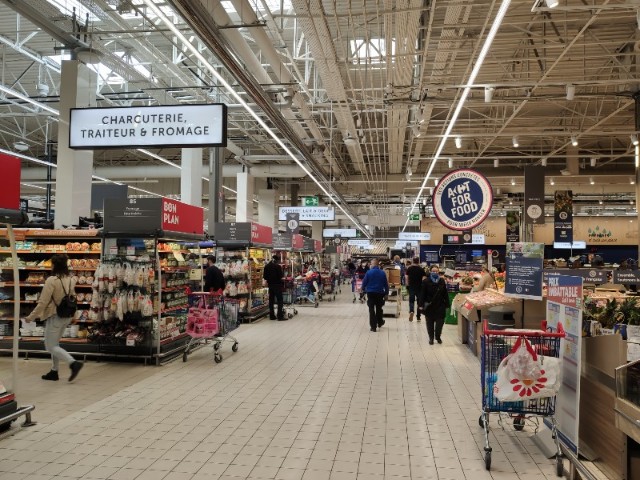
(41, 105)
(463, 98)
(33, 186)
(27, 157)
(159, 158)
(196, 53)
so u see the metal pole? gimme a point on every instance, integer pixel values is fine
(16, 308)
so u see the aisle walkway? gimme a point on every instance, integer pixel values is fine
(316, 398)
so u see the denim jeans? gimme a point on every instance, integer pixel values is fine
(414, 292)
(53, 331)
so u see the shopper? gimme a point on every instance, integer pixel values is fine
(377, 288)
(434, 300)
(484, 279)
(56, 287)
(398, 264)
(274, 277)
(213, 277)
(415, 274)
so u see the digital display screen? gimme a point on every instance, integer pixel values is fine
(452, 239)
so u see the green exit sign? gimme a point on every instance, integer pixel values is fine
(414, 217)
(310, 202)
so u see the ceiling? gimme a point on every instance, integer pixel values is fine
(385, 76)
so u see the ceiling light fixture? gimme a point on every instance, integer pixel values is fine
(632, 181)
(450, 162)
(552, 3)
(13, 93)
(488, 94)
(552, 181)
(349, 141)
(496, 163)
(571, 91)
(574, 140)
(543, 161)
(515, 142)
(600, 202)
(593, 161)
(416, 131)
(497, 21)
(21, 146)
(592, 181)
(458, 142)
(216, 74)
(634, 140)
(513, 182)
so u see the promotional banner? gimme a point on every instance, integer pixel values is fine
(163, 126)
(10, 191)
(564, 305)
(533, 195)
(317, 246)
(297, 242)
(523, 277)
(563, 216)
(293, 222)
(513, 226)
(182, 217)
(261, 234)
(308, 213)
(588, 275)
(462, 199)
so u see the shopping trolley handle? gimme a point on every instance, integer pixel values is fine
(560, 333)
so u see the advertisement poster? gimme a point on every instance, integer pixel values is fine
(523, 277)
(563, 216)
(564, 305)
(534, 195)
(10, 191)
(513, 227)
(462, 199)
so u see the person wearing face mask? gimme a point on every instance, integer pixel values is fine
(434, 300)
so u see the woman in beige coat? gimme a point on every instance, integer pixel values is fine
(55, 288)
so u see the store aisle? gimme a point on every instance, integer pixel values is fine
(318, 397)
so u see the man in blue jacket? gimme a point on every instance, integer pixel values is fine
(376, 285)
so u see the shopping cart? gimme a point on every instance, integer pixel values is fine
(496, 345)
(289, 298)
(211, 317)
(305, 292)
(329, 287)
(356, 288)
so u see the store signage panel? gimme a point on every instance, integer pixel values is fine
(476, 239)
(576, 245)
(339, 232)
(293, 222)
(588, 275)
(297, 242)
(564, 306)
(233, 233)
(317, 246)
(414, 236)
(182, 217)
(400, 244)
(163, 126)
(534, 195)
(626, 277)
(132, 215)
(524, 270)
(261, 234)
(358, 242)
(10, 191)
(283, 241)
(452, 239)
(308, 213)
(462, 199)
(563, 216)
(310, 201)
(513, 227)
(309, 245)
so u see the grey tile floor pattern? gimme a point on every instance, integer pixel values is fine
(319, 397)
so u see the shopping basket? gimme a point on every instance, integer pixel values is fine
(496, 345)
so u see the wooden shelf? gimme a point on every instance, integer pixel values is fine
(40, 285)
(46, 269)
(51, 252)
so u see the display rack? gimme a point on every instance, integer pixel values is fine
(34, 249)
(243, 249)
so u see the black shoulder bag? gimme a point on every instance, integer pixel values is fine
(68, 304)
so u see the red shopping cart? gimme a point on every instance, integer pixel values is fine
(496, 346)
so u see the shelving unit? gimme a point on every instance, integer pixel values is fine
(34, 249)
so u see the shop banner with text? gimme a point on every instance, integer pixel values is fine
(182, 217)
(533, 195)
(10, 191)
(523, 277)
(261, 235)
(563, 216)
(513, 226)
(564, 306)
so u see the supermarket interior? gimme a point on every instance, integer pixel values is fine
(303, 239)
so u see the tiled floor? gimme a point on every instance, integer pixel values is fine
(316, 398)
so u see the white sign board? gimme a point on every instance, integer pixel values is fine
(416, 236)
(308, 213)
(400, 244)
(359, 243)
(340, 232)
(477, 239)
(133, 127)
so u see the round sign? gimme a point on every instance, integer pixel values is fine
(462, 199)
(292, 224)
(534, 211)
(563, 215)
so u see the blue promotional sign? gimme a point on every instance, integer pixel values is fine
(463, 199)
(588, 275)
(523, 277)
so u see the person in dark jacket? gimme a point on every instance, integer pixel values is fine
(434, 300)
(376, 286)
(274, 276)
(415, 275)
(213, 277)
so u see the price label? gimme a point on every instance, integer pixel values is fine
(131, 250)
(113, 250)
(178, 256)
(131, 342)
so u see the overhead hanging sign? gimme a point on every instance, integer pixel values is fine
(162, 126)
(534, 195)
(283, 241)
(339, 232)
(513, 226)
(297, 242)
(182, 217)
(563, 216)
(401, 244)
(414, 236)
(462, 199)
(261, 234)
(358, 243)
(10, 191)
(293, 222)
(308, 213)
(310, 201)
(309, 245)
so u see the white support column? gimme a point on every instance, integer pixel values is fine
(316, 230)
(191, 176)
(267, 208)
(75, 167)
(244, 201)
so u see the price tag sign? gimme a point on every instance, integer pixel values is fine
(113, 250)
(178, 256)
(131, 250)
(131, 342)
